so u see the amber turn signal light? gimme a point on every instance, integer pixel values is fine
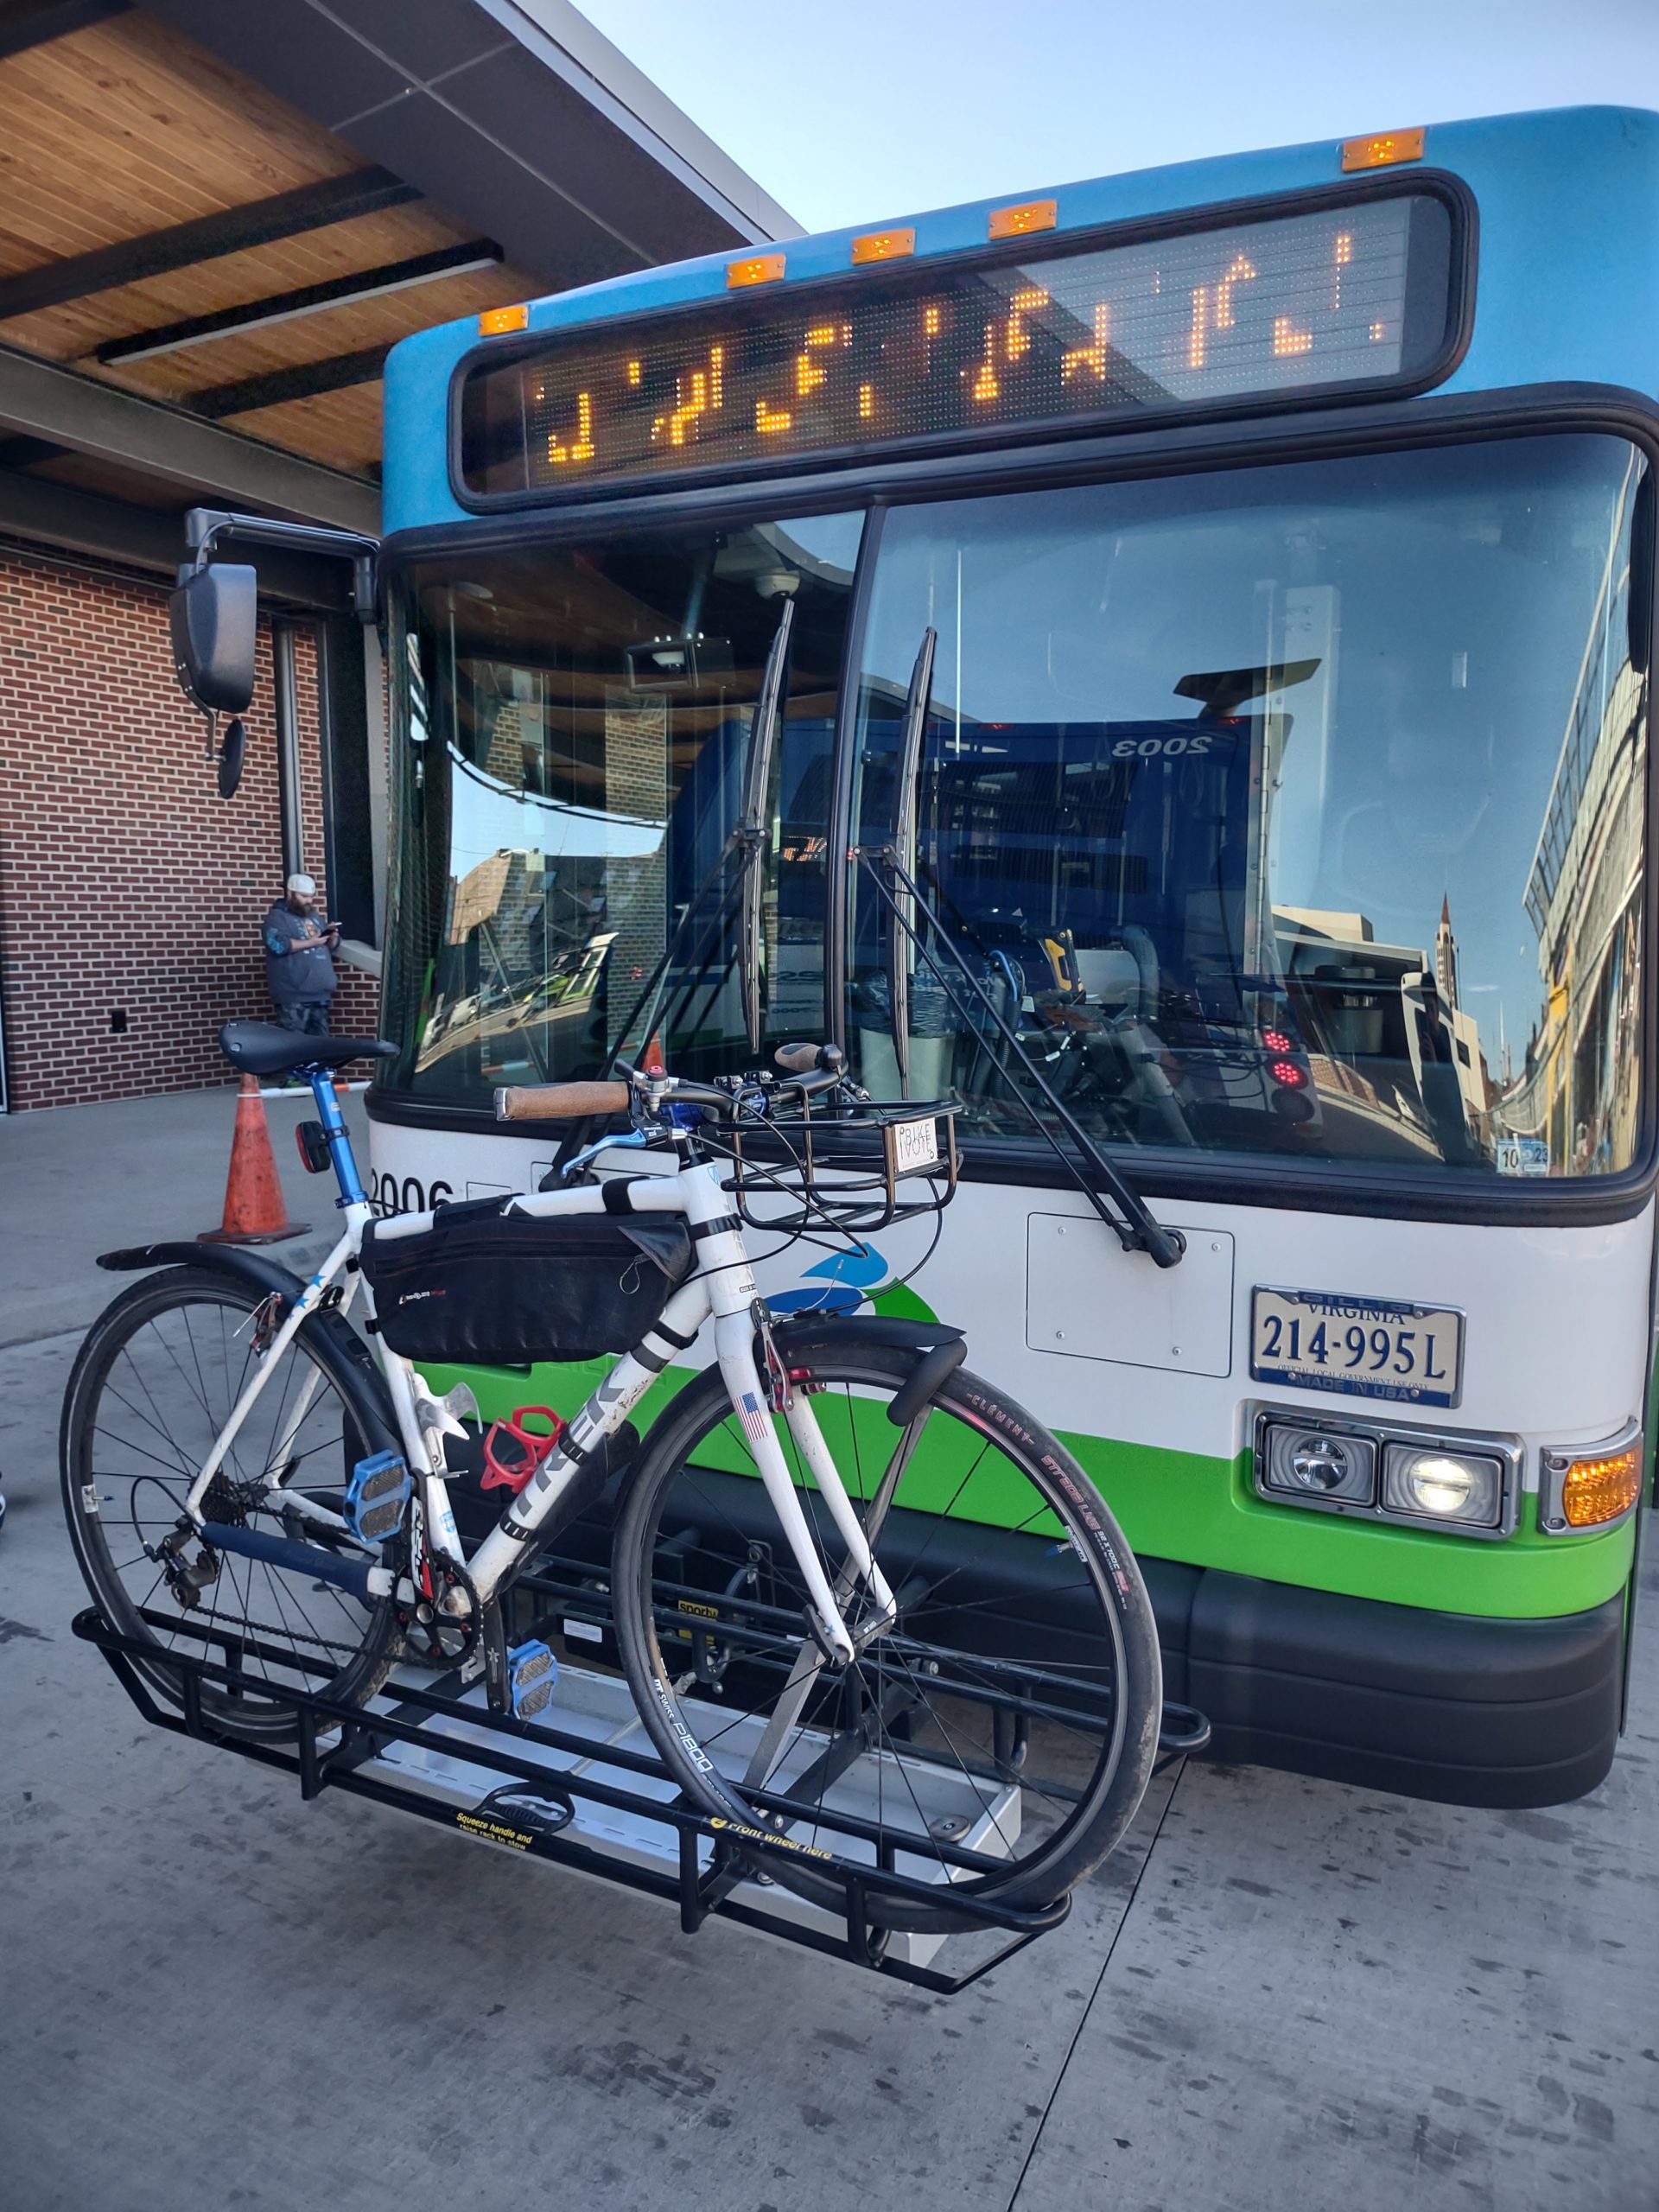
(495, 321)
(1599, 1490)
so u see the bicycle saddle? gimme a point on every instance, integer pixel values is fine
(261, 1048)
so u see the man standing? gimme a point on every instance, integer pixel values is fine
(298, 971)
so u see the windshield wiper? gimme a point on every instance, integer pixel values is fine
(1139, 1229)
(906, 807)
(751, 832)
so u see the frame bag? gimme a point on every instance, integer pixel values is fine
(506, 1289)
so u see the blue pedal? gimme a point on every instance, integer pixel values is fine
(376, 1498)
(531, 1672)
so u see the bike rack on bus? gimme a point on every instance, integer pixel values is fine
(719, 1868)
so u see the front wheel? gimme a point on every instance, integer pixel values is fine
(995, 1738)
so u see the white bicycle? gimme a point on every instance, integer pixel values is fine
(920, 1577)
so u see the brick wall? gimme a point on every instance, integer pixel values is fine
(127, 885)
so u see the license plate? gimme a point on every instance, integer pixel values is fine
(915, 1144)
(1373, 1347)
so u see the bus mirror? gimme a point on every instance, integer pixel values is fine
(214, 616)
(231, 755)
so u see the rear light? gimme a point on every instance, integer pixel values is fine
(1289, 1074)
(1277, 1041)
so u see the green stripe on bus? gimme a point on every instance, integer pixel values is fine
(1184, 1506)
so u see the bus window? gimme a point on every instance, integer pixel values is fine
(575, 725)
(1293, 811)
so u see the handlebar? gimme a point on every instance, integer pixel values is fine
(560, 1102)
(811, 1067)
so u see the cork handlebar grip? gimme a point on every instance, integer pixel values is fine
(560, 1102)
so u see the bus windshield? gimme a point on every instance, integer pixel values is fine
(1295, 809)
(1292, 811)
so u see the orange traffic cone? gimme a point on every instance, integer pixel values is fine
(253, 1197)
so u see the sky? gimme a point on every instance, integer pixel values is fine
(861, 110)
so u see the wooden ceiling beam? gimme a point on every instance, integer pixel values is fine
(338, 373)
(305, 299)
(208, 238)
(25, 24)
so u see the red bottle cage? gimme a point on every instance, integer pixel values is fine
(512, 1452)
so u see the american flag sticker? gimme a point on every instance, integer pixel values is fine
(754, 1421)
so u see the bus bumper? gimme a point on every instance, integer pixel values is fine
(1452, 1706)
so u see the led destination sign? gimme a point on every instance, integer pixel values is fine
(1349, 295)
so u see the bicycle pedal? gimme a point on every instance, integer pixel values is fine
(531, 1672)
(376, 1498)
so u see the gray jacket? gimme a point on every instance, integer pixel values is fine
(305, 978)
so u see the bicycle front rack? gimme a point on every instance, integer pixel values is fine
(577, 1795)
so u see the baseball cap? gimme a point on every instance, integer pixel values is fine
(302, 887)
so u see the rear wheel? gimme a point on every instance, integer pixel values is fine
(997, 1736)
(153, 1384)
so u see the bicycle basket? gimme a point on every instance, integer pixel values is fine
(505, 1288)
(860, 1168)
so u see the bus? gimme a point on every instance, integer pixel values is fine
(1271, 540)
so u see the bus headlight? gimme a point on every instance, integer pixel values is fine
(1583, 1492)
(1319, 1463)
(1391, 1474)
(1428, 1482)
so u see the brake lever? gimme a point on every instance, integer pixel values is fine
(634, 1141)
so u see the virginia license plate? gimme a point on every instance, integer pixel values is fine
(915, 1144)
(1374, 1347)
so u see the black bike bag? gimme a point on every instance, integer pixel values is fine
(505, 1288)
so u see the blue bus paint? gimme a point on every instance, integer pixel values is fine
(1567, 287)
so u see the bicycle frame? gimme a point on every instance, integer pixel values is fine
(721, 1289)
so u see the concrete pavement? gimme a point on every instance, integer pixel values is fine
(1282, 1993)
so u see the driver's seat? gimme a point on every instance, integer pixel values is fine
(262, 1048)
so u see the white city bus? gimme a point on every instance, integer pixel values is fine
(1279, 532)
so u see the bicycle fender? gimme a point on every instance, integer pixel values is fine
(943, 1348)
(218, 1259)
(264, 1276)
(823, 1330)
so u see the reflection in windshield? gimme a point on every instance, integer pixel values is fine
(1297, 811)
(579, 725)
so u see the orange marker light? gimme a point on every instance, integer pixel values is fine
(1383, 150)
(1029, 215)
(884, 246)
(1594, 1490)
(759, 269)
(495, 321)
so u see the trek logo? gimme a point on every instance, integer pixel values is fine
(837, 1285)
(414, 1297)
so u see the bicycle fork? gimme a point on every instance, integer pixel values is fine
(733, 1348)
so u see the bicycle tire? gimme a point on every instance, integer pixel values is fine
(698, 1421)
(150, 1468)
